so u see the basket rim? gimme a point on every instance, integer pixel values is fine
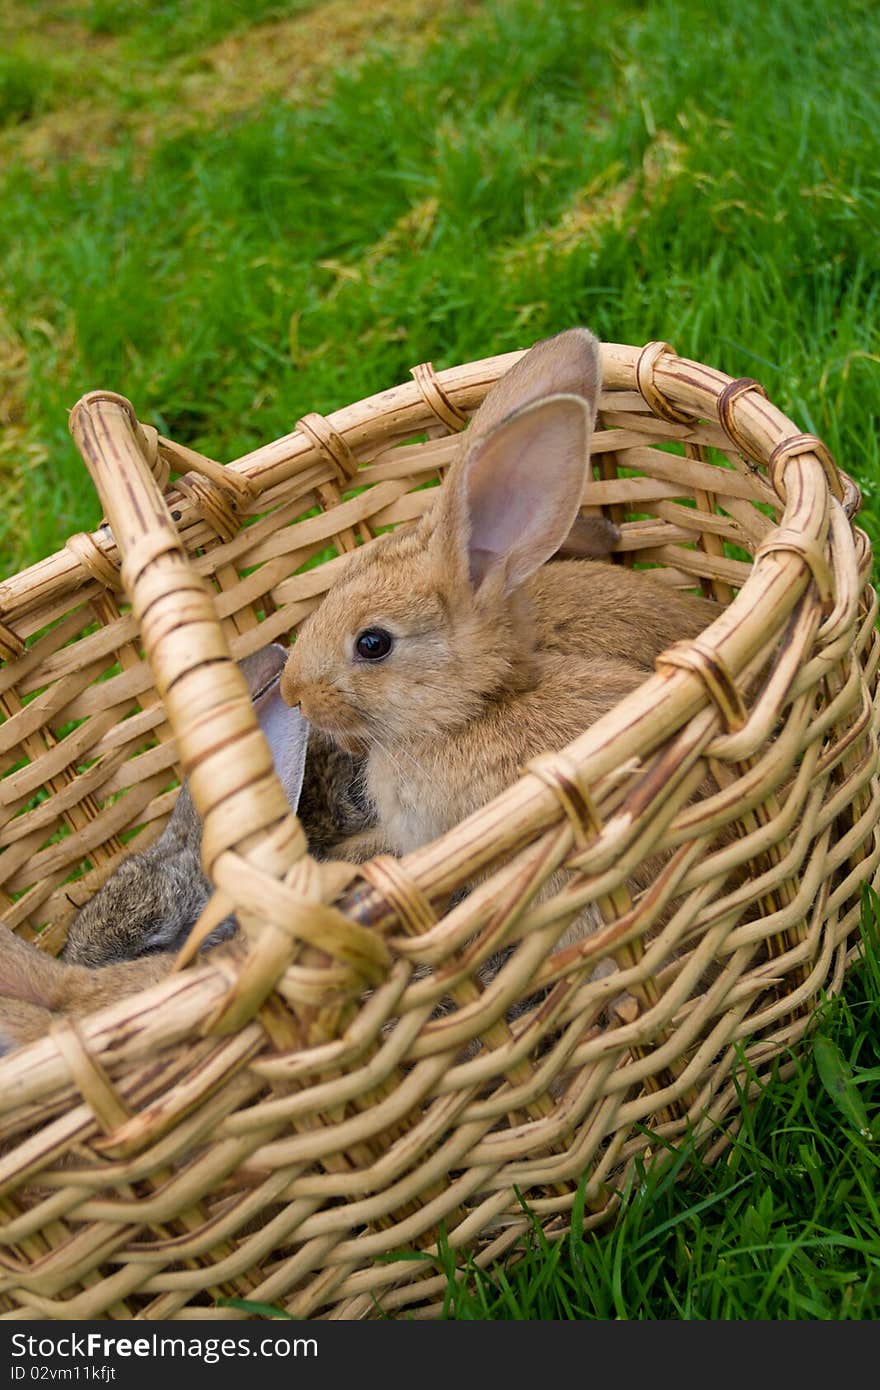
(673, 388)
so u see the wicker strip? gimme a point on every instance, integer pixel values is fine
(726, 401)
(844, 613)
(330, 445)
(436, 399)
(94, 561)
(794, 447)
(185, 460)
(401, 892)
(852, 497)
(561, 776)
(148, 439)
(152, 570)
(11, 645)
(655, 401)
(784, 538)
(716, 677)
(218, 506)
(89, 1077)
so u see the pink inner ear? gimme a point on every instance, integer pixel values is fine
(523, 487)
(479, 564)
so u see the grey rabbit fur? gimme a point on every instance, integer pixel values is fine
(152, 900)
(124, 939)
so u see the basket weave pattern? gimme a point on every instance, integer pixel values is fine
(266, 1122)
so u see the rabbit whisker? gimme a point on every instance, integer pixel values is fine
(423, 772)
(374, 739)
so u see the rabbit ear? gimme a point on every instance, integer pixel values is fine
(589, 537)
(512, 502)
(565, 365)
(287, 732)
(260, 668)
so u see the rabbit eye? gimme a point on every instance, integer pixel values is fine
(373, 644)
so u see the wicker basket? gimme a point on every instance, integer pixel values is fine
(267, 1122)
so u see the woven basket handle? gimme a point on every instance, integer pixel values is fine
(224, 753)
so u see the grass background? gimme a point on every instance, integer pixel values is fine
(234, 213)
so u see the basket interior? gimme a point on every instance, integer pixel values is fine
(89, 765)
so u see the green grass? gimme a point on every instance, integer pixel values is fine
(132, 54)
(166, 28)
(154, 30)
(670, 171)
(23, 86)
(785, 1225)
(229, 278)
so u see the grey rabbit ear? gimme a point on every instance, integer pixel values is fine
(260, 668)
(152, 899)
(287, 739)
(286, 729)
(565, 365)
(287, 733)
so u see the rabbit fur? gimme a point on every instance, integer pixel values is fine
(494, 656)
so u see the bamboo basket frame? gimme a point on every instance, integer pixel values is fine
(266, 1122)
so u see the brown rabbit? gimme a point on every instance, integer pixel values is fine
(447, 653)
